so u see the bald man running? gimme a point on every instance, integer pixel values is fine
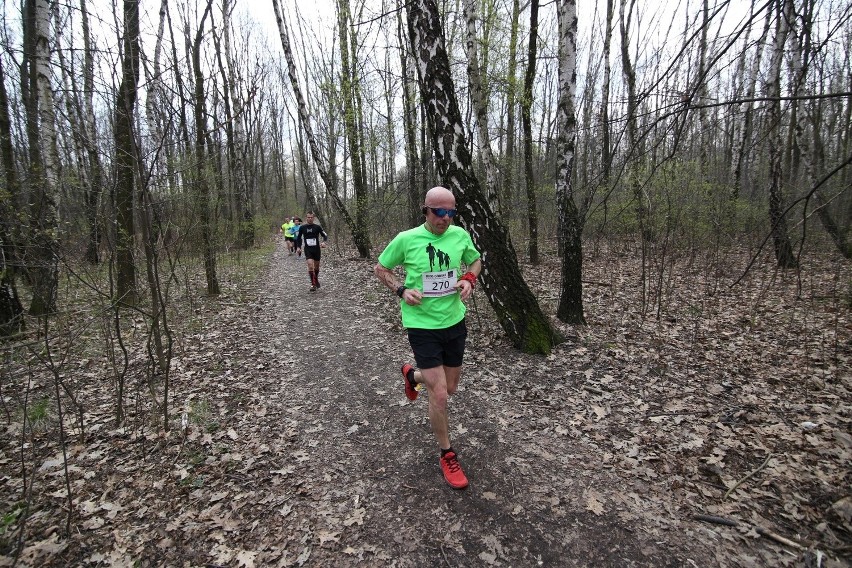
(433, 310)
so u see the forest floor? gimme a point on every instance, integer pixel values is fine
(292, 443)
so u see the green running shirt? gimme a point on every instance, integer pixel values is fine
(419, 251)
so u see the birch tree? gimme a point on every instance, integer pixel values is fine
(44, 228)
(570, 308)
(513, 302)
(477, 93)
(349, 87)
(778, 222)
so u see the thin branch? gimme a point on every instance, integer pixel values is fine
(760, 530)
(746, 478)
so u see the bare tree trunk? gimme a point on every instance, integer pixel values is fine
(390, 179)
(570, 308)
(526, 120)
(633, 142)
(149, 219)
(409, 118)
(743, 128)
(94, 188)
(11, 310)
(813, 153)
(45, 202)
(235, 132)
(701, 93)
(606, 144)
(351, 120)
(492, 185)
(125, 157)
(778, 223)
(516, 307)
(511, 103)
(202, 166)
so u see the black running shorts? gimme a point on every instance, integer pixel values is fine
(312, 253)
(437, 347)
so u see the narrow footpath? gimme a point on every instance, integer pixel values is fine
(333, 466)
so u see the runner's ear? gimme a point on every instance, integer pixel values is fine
(423, 210)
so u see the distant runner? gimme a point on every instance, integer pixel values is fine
(307, 239)
(288, 235)
(294, 228)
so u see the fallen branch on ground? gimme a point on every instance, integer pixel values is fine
(760, 530)
(744, 479)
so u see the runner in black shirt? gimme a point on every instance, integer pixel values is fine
(307, 239)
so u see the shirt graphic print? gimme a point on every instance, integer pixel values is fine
(439, 256)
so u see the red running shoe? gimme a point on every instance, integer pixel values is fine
(410, 386)
(452, 471)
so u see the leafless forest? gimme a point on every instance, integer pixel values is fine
(150, 152)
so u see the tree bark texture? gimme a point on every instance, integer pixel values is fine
(478, 99)
(202, 165)
(409, 119)
(125, 158)
(513, 302)
(526, 121)
(570, 308)
(44, 238)
(351, 123)
(778, 223)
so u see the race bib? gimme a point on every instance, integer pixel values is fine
(437, 284)
(311, 242)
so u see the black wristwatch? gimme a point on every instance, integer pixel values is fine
(400, 291)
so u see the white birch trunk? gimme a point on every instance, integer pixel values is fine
(46, 237)
(492, 190)
(570, 223)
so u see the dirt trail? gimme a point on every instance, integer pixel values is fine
(349, 467)
(302, 450)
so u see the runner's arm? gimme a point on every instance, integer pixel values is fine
(387, 277)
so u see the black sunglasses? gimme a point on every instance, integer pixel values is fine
(440, 211)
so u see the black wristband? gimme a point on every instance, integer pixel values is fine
(400, 291)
